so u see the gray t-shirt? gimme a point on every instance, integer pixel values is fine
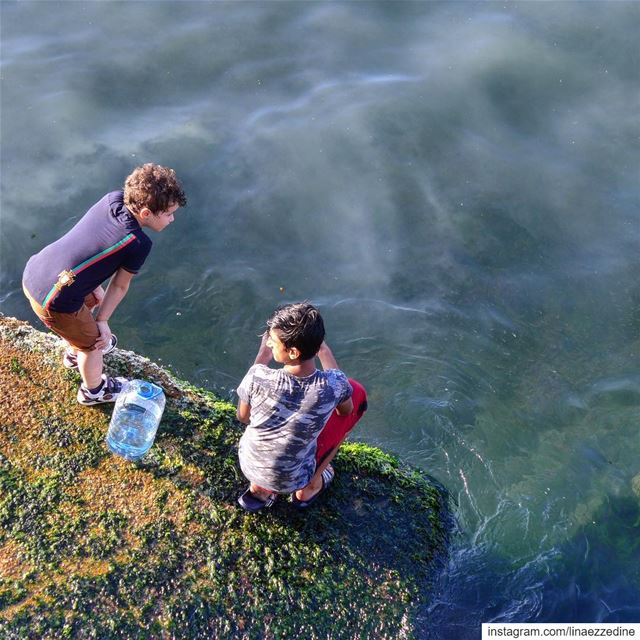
(277, 450)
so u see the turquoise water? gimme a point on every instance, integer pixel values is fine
(455, 184)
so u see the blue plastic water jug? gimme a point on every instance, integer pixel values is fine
(135, 419)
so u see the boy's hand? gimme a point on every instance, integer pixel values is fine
(105, 335)
(264, 352)
(98, 292)
(96, 297)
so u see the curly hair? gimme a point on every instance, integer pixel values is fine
(299, 325)
(153, 187)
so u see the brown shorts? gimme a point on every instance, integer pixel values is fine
(79, 328)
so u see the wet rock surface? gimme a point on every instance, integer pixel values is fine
(93, 546)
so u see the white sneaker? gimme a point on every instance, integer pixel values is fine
(108, 392)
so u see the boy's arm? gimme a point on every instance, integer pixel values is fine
(116, 291)
(243, 412)
(328, 361)
(345, 408)
(264, 353)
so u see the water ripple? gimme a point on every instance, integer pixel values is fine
(315, 92)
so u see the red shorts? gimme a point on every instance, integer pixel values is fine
(338, 427)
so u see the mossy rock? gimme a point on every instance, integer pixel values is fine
(93, 546)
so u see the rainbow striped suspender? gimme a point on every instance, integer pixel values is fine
(67, 277)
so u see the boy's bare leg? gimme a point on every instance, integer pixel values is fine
(71, 347)
(259, 492)
(315, 484)
(90, 367)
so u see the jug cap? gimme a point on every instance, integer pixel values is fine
(148, 390)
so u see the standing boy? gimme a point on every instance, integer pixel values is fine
(298, 415)
(64, 281)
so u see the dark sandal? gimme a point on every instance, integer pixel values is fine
(250, 501)
(327, 478)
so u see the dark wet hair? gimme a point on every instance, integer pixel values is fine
(299, 325)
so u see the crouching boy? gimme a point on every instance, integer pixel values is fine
(63, 282)
(297, 416)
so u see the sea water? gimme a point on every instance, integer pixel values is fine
(135, 419)
(459, 180)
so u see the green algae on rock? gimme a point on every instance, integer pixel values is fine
(93, 546)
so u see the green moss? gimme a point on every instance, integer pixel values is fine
(16, 368)
(96, 547)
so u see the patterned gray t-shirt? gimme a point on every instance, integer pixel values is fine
(277, 450)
